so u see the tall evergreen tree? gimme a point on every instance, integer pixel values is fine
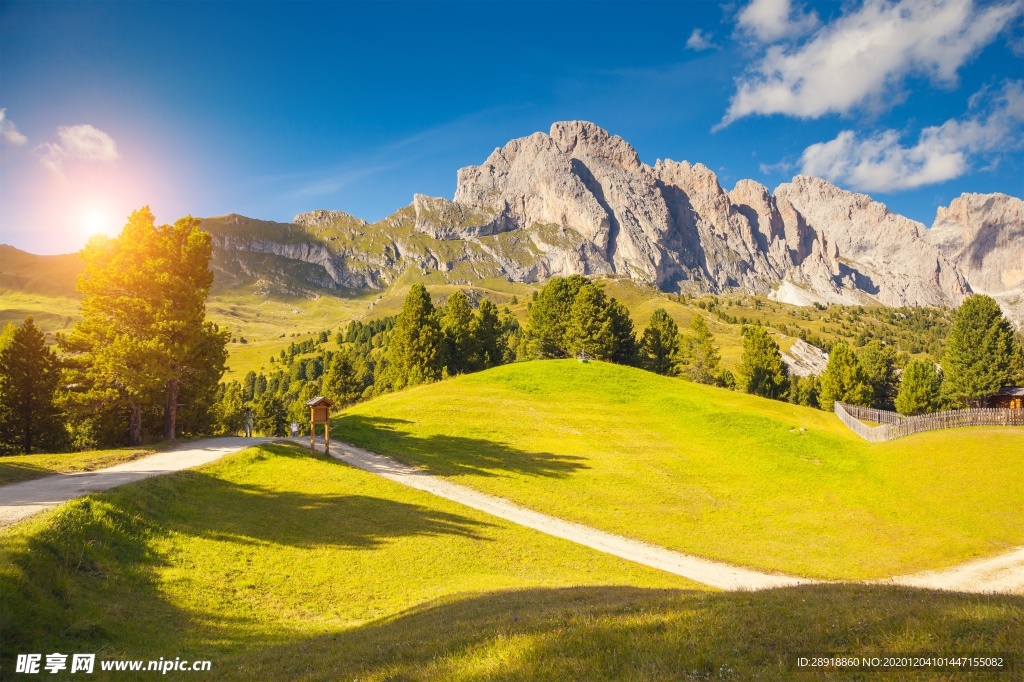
(843, 380)
(624, 346)
(342, 384)
(269, 415)
(456, 318)
(29, 376)
(489, 342)
(143, 309)
(698, 356)
(660, 343)
(978, 352)
(761, 369)
(590, 326)
(549, 316)
(880, 366)
(415, 354)
(920, 388)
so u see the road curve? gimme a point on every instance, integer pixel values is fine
(21, 500)
(1000, 574)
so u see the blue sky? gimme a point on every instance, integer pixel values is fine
(272, 109)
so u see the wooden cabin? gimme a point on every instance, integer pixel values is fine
(1007, 397)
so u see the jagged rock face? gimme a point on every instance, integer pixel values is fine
(983, 234)
(674, 226)
(323, 219)
(579, 201)
(869, 249)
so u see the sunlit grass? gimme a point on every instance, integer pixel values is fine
(277, 565)
(708, 471)
(268, 546)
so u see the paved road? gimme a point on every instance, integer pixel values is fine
(21, 500)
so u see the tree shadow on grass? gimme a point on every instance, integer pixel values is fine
(628, 633)
(89, 573)
(17, 472)
(247, 513)
(445, 455)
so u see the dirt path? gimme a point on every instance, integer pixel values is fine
(1004, 573)
(716, 574)
(21, 500)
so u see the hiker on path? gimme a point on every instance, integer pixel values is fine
(248, 423)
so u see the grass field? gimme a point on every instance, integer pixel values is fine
(18, 468)
(267, 547)
(279, 565)
(706, 471)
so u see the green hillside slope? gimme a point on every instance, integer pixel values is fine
(707, 471)
(277, 565)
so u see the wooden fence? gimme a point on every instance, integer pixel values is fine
(894, 425)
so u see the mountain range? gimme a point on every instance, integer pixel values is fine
(578, 200)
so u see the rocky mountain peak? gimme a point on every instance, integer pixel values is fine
(582, 139)
(322, 218)
(578, 200)
(983, 234)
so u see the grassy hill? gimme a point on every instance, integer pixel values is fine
(275, 565)
(708, 471)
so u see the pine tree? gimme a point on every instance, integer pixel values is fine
(920, 389)
(803, 390)
(415, 354)
(488, 339)
(624, 346)
(879, 364)
(456, 318)
(761, 369)
(590, 326)
(342, 384)
(843, 380)
(249, 386)
(143, 308)
(698, 356)
(660, 343)
(231, 409)
(269, 416)
(29, 376)
(549, 316)
(978, 352)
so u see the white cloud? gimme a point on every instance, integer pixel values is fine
(76, 143)
(879, 162)
(9, 132)
(772, 20)
(862, 58)
(699, 41)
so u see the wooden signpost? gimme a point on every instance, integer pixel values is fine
(320, 413)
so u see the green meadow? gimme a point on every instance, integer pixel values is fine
(706, 471)
(275, 564)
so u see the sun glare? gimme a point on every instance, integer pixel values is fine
(94, 221)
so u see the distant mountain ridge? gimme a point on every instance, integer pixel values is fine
(578, 200)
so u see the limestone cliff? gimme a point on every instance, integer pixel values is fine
(579, 200)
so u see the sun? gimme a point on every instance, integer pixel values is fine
(94, 221)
